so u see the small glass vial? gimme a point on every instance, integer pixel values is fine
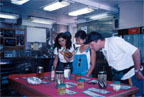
(40, 72)
(80, 84)
(62, 89)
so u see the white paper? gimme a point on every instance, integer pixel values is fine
(99, 90)
(71, 83)
(125, 87)
(92, 94)
(86, 79)
(36, 34)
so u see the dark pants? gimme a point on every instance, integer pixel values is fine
(61, 66)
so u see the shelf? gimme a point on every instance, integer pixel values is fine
(12, 38)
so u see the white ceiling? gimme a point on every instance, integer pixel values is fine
(35, 8)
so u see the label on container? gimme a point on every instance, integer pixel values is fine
(70, 92)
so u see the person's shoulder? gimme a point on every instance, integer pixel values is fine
(114, 39)
(72, 46)
(55, 49)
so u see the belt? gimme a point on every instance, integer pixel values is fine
(126, 70)
(67, 63)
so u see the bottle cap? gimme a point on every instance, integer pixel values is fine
(102, 72)
(62, 85)
(80, 80)
(40, 67)
(59, 72)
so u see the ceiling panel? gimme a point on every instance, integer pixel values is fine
(35, 7)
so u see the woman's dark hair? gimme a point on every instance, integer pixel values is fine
(81, 34)
(64, 36)
(68, 34)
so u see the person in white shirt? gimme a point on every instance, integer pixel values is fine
(123, 57)
(63, 44)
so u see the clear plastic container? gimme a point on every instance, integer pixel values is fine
(116, 85)
(62, 89)
(80, 84)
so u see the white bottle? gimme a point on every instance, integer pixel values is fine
(67, 72)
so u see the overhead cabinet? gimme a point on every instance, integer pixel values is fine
(12, 38)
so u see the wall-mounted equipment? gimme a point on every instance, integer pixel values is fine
(100, 16)
(81, 11)
(56, 5)
(19, 2)
(8, 15)
(41, 20)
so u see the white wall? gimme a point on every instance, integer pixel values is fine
(61, 28)
(131, 14)
(72, 29)
(36, 34)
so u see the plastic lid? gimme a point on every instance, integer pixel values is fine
(102, 72)
(116, 82)
(40, 67)
(59, 72)
(78, 74)
(62, 85)
(80, 80)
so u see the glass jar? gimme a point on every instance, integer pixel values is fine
(62, 89)
(80, 84)
(59, 78)
(102, 79)
(78, 76)
(40, 72)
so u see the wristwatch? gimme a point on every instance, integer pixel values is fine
(136, 70)
(141, 68)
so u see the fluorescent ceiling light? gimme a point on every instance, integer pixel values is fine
(99, 16)
(19, 2)
(41, 20)
(56, 5)
(80, 11)
(8, 16)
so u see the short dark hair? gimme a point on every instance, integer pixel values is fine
(81, 34)
(93, 36)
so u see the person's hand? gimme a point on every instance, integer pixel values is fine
(139, 76)
(87, 75)
(62, 52)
